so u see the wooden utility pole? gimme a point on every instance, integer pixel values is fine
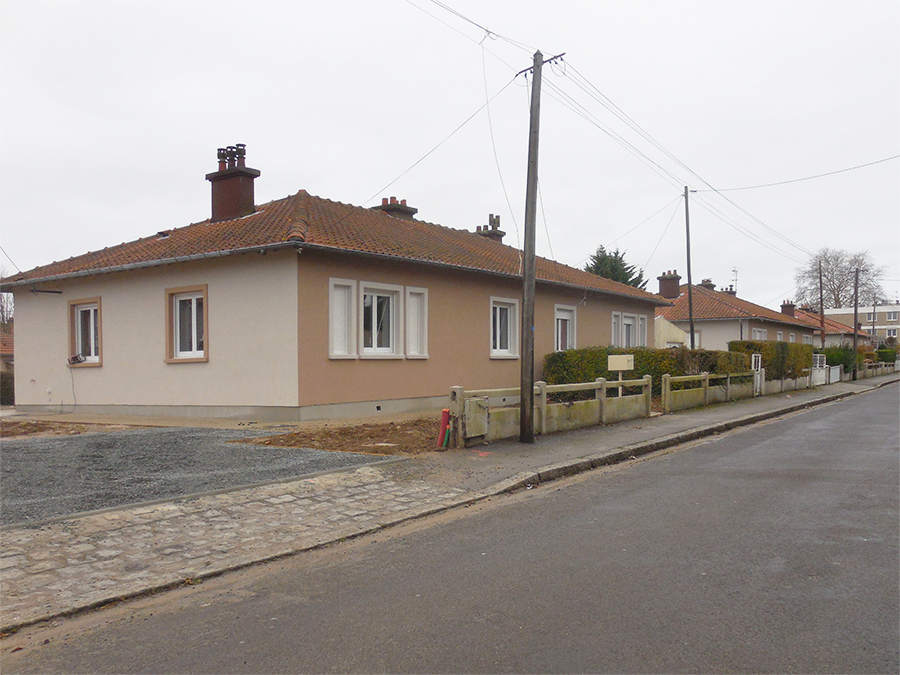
(687, 228)
(855, 319)
(821, 306)
(526, 403)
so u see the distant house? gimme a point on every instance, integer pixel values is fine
(881, 321)
(301, 308)
(721, 317)
(7, 350)
(836, 334)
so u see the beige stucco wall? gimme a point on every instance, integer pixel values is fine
(716, 335)
(459, 322)
(252, 339)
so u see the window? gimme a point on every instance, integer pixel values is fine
(870, 317)
(341, 318)
(629, 330)
(792, 337)
(892, 316)
(779, 336)
(565, 328)
(84, 332)
(417, 323)
(504, 333)
(186, 319)
(891, 332)
(807, 339)
(380, 318)
(759, 334)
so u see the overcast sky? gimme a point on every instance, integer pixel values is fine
(111, 114)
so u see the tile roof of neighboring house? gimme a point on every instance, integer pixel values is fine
(7, 343)
(717, 305)
(832, 327)
(302, 221)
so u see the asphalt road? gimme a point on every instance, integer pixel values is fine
(769, 549)
(46, 477)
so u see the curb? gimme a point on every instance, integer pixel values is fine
(522, 480)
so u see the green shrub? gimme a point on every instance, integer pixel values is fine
(590, 363)
(840, 356)
(886, 355)
(781, 360)
(7, 389)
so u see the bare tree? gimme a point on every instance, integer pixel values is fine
(6, 303)
(838, 270)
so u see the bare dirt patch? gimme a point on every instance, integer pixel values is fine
(410, 437)
(26, 428)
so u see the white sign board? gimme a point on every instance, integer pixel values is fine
(621, 362)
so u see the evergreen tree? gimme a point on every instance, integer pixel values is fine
(612, 265)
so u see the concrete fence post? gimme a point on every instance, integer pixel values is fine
(666, 393)
(728, 387)
(705, 377)
(457, 398)
(601, 396)
(648, 393)
(541, 387)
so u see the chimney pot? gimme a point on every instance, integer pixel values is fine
(398, 209)
(384, 201)
(393, 200)
(492, 230)
(669, 285)
(232, 185)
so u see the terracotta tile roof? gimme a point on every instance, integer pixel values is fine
(717, 305)
(832, 327)
(7, 343)
(303, 220)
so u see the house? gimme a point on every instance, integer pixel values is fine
(721, 317)
(7, 349)
(880, 321)
(836, 334)
(300, 308)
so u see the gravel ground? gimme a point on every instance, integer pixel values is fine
(46, 477)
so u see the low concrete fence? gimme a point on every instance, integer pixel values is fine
(476, 418)
(711, 389)
(874, 369)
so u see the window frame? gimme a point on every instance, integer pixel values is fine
(891, 316)
(512, 307)
(174, 295)
(347, 319)
(416, 306)
(75, 307)
(565, 313)
(760, 334)
(891, 332)
(395, 294)
(779, 336)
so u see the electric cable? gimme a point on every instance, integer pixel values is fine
(671, 218)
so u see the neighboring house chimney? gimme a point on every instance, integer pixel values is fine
(787, 307)
(232, 185)
(670, 285)
(730, 290)
(707, 283)
(492, 231)
(396, 209)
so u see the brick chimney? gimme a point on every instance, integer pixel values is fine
(787, 307)
(730, 290)
(670, 285)
(707, 283)
(397, 209)
(492, 231)
(232, 185)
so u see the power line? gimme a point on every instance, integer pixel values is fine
(798, 180)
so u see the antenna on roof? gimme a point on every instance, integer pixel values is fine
(734, 278)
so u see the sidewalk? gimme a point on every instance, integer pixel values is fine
(85, 561)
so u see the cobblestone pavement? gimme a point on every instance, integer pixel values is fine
(87, 561)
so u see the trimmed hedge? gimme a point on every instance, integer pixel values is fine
(841, 356)
(782, 360)
(590, 363)
(886, 355)
(7, 389)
